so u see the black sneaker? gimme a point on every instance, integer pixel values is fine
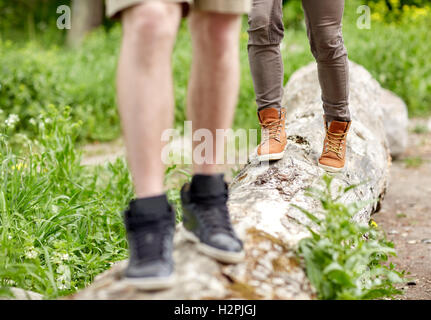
(206, 218)
(150, 225)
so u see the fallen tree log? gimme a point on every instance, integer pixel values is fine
(261, 199)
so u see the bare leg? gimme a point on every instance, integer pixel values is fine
(145, 90)
(214, 80)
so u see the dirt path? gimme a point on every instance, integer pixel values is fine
(406, 211)
(99, 153)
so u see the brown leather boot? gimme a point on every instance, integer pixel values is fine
(274, 139)
(334, 146)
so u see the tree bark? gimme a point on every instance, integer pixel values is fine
(86, 15)
(261, 199)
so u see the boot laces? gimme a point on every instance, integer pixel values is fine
(272, 130)
(214, 213)
(335, 142)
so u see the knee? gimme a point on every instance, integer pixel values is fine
(224, 30)
(258, 19)
(265, 30)
(327, 44)
(151, 22)
(216, 32)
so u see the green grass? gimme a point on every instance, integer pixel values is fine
(413, 162)
(60, 222)
(401, 215)
(396, 55)
(33, 77)
(420, 129)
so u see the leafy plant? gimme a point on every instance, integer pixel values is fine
(345, 259)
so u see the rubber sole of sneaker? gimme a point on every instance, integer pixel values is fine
(271, 156)
(151, 284)
(219, 255)
(330, 169)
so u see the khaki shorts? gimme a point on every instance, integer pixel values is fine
(114, 7)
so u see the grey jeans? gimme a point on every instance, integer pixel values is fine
(324, 28)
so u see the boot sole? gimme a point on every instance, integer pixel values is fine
(218, 254)
(151, 284)
(330, 169)
(272, 156)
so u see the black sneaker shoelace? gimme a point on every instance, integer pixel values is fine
(213, 213)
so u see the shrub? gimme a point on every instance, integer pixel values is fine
(395, 10)
(32, 77)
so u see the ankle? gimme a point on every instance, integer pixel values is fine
(155, 207)
(329, 119)
(208, 184)
(149, 190)
(209, 168)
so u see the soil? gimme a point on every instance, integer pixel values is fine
(406, 212)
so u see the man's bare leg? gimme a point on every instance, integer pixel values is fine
(212, 96)
(214, 80)
(145, 97)
(145, 90)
